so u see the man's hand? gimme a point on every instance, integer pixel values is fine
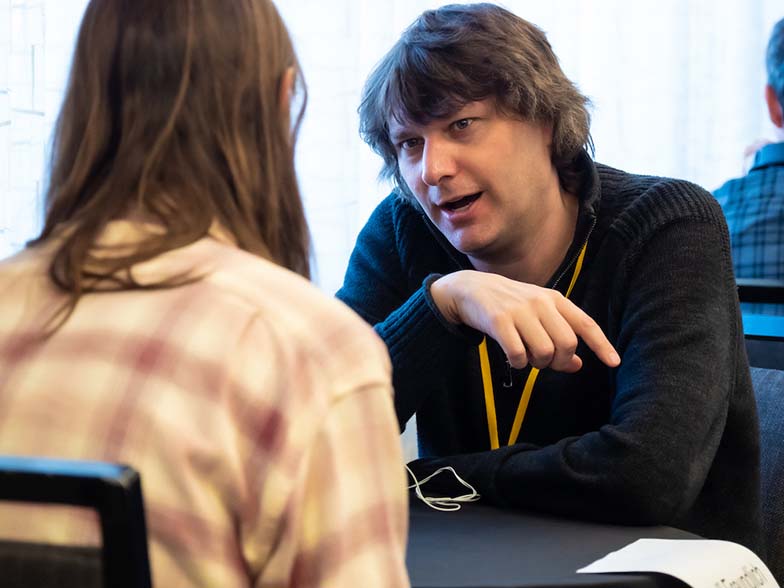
(532, 324)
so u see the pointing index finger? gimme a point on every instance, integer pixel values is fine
(587, 329)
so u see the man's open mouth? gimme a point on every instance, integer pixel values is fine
(461, 203)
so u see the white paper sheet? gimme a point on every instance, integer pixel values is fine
(701, 563)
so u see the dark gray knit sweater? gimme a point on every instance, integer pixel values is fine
(669, 437)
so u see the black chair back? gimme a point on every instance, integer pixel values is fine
(34, 565)
(760, 290)
(114, 491)
(769, 391)
(764, 336)
(762, 304)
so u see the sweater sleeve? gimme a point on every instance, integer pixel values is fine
(678, 338)
(396, 301)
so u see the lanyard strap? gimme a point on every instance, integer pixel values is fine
(525, 397)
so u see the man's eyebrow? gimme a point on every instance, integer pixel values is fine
(396, 135)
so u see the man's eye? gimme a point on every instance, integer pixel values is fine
(407, 144)
(462, 124)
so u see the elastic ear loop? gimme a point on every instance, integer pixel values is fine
(443, 503)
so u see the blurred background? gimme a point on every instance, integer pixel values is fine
(676, 89)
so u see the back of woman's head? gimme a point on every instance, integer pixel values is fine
(174, 113)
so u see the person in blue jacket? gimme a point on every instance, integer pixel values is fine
(754, 204)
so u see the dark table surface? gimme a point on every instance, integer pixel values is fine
(482, 546)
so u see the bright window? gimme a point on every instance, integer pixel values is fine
(677, 91)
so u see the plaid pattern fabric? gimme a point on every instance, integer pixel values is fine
(258, 411)
(754, 208)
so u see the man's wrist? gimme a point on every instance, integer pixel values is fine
(471, 335)
(437, 292)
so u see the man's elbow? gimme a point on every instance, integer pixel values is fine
(661, 496)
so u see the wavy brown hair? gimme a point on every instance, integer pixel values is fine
(462, 53)
(173, 112)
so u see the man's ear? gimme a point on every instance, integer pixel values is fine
(286, 91)
(774, 107)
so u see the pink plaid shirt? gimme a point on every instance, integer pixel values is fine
(257, 410)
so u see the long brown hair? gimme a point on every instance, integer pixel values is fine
(461, 53)
(173, 110)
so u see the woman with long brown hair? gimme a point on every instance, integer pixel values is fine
(159, 321)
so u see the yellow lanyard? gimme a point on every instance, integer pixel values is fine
(487, 380)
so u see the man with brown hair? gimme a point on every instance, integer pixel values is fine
(567, 334)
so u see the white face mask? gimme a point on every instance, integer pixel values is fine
(445, 503)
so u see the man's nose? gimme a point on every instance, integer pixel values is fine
(438, 163)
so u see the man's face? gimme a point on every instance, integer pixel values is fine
(484, 179)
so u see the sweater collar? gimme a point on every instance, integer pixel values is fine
(589, 196)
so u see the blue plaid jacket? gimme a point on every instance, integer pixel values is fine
(754, 207)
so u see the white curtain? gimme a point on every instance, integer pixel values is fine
(677, 90)
(676, 86)
(36, 41)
